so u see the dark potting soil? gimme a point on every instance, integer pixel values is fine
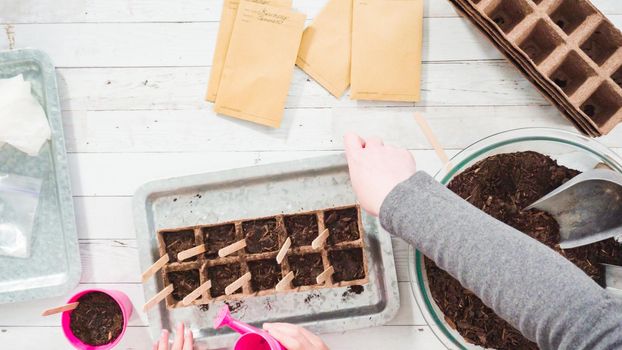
(218, 237)
(261, 235)
(184, 282)
(342, 225)
(97, 320)
(306, 268)
(302, 229)
(312, 296)
(235, 305)
(222, 276)
(265, 274)
(351, 292)
(501, 186)
(348, 264)
(178, 242)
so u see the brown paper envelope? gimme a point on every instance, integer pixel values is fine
(260, 63)
(227, 18)
(325, 48)
(386, 50)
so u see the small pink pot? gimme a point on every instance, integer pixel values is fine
(126, 308)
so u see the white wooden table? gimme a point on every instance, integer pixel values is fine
(132, 75)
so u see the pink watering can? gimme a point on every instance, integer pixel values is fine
(252, 338)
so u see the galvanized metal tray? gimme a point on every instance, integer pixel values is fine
(281, 188)
(54, 266)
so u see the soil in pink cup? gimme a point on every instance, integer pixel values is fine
(99, 321)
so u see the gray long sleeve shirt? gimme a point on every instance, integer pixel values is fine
(546, 297)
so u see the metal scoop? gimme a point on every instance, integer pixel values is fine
(588, 208)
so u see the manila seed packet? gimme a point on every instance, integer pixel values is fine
(326, 45)
(227, 18)
(260, 62)
(387, 37)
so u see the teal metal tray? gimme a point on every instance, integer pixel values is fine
(54, 266)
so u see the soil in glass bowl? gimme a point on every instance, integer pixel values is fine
(501, 185)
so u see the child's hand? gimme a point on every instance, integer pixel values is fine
(184, 342)
(375, 169)
(294, 337)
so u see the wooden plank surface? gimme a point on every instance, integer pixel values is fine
(161, 44)
(132, 74)
(96, 11)
(387, 337)
(466, 83)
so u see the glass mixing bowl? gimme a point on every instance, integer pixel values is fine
(569, 149)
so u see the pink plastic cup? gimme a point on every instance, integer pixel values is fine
(252, 338)
(126, 308)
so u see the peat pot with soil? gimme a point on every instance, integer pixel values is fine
(501, 175)
(95, 318)
(231, 261)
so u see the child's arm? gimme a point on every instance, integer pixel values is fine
(294, 337)
(545, 296)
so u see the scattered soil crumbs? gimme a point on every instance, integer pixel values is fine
(311, 296)
(178, 242)
(261, 235)
(306, 268)
(501, 186)
(265, 274)
(348, 264)
(342, 225)
(218, 237)
(351, 291)
(235, 306)
(222, 276)
(97, 320)
(302, 229)
(184, 282)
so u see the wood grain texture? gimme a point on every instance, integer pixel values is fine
(466, 83)
(160, 44)
(132, 77)
(137, 338)
(94, 11)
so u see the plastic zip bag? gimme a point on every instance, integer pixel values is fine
(19, 198)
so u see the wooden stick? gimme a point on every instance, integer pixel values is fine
(232, 248)
(319, 241)
(154, 268)
(196, 293)
(429, 134)
(237, 283)
(58, 309)
(189, 253)
(284, 283)
(321, 278)
(281, 255)
(158, 298)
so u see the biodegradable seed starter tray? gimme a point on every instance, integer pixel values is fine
(297, 201)
(264, 238)
(567, 48)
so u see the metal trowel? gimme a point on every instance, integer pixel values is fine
(588, 208)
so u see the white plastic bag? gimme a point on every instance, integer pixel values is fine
(23, 123)
(19, 197)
